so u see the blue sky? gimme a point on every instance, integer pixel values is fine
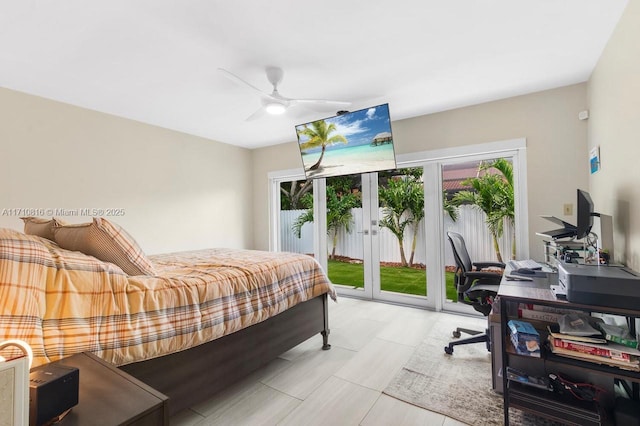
(359, 127)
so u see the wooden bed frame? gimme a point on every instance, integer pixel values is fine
(194, 375)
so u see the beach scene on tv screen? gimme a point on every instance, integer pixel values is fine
(355, 142)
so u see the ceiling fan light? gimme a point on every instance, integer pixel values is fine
(275, 108)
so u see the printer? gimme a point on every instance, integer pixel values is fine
(611, 286)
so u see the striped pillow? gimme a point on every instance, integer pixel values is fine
(40, 226)
(107, 242)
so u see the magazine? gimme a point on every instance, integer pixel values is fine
(554, 331)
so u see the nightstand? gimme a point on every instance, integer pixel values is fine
(109, 396)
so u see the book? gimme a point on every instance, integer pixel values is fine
(630, 343)
(538, 315)
(632, 366)
(554, 330)
(525, 338)
(529, 348)
(618, 334)
(522, 377)
(608, 351)
(544, 308)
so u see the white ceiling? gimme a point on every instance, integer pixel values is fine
(156, 61)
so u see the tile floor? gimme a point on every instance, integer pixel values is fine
(370, 342)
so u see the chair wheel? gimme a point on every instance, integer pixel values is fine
(456, 334)
(448, 350)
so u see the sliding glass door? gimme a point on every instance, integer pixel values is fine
(382, 235)
(294, 220)
(478, 196)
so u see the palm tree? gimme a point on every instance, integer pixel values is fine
(291, 199)
(318, 135)
(306, 216)
(493, 194)
(405, 195)
(415, 208)
(504, 197)
(339, 216)
(416, 211)
(395, 201)
(449, 206)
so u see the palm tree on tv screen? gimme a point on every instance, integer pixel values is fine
(319, 136)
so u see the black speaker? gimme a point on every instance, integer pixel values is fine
(53, 389)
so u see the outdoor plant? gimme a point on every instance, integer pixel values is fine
(402, 199)
(416, 212)
(291, 198)
(340, 200)
(492, 192)
(394, 198)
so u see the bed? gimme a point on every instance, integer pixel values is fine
(192, 325)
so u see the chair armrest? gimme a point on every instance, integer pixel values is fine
(482, 265)
(481, 290)
(485, 276)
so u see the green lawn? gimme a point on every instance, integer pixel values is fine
(397, 279)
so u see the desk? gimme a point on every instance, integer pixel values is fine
(540, 402)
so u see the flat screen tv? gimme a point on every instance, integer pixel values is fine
(348, 143)
(585, 214)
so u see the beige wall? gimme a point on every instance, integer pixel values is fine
(614, 126)
(557, 158)
(178, 192)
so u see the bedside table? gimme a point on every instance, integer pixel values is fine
(109, 396)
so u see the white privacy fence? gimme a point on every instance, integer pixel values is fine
(470, 224)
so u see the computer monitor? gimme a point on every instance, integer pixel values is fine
(585, 214)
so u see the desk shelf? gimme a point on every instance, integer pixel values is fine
(543, 403)
(615, 372)
(553, 406)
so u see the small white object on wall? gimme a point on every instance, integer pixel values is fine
(583, 115)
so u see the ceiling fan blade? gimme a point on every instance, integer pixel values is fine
(323, 102)
(274, 103)
(320, 104)
(258, 114)
(231, 76)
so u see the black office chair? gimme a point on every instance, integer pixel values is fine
(475, 287)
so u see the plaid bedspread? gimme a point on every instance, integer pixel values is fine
(63, 302)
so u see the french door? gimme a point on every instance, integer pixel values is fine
(366, 230)
(373, 253)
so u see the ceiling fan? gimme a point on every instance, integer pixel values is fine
(274, 103)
